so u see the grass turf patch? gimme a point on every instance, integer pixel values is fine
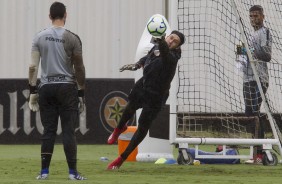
(21, 164)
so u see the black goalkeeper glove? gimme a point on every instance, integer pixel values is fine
(157, 40)
(81, 99)
(131, 67)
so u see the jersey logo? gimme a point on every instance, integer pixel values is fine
(57, 78)
(52, 39)
(156, 52)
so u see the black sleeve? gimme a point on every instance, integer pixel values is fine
(264, 51)
(163, 47)
(141, 61)
(168, 55)
(263, 54)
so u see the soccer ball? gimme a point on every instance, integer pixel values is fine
(156, 26)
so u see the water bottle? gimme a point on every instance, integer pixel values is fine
(104, 159)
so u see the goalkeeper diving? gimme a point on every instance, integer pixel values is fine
(150, 92)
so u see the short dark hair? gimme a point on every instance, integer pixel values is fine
(57, 10)
(256, 8)
(180, 35)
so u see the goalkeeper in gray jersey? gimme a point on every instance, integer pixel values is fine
(260, 46)
(61, 90)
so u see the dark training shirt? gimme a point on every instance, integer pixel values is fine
(159, 68)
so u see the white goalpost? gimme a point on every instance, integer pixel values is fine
(207, 104)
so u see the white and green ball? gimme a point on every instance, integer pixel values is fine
(156, 26)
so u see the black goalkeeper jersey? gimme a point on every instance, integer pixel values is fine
(159, 69)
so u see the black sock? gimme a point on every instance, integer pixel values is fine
(45, 160)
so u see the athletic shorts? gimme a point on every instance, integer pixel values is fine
(145, 99)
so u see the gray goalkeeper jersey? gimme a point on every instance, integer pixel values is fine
(56, 46)
(260, 45)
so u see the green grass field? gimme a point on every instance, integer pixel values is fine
(21, 164)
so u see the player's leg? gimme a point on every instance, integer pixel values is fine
(145, 120)
(256, 101)
(249, 91)
(69, 114)
(128, 113)
(134, 103)
(264, 89)
(49, 118)
(259, 102)
(261, 130)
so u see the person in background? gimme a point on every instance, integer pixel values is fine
(260, 46)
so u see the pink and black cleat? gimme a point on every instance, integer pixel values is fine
(114, 136)
(115, 164)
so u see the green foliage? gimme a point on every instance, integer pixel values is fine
(21, 164)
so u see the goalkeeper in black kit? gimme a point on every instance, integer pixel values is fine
(150, 92)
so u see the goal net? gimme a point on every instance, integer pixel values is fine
(209, 92)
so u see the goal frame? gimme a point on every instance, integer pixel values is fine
(185, 142)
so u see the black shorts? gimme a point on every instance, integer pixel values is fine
(142, 98)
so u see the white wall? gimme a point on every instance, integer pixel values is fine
(109, 29)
